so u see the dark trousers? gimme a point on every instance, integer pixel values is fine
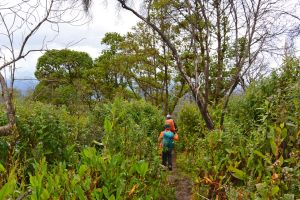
(167, 158)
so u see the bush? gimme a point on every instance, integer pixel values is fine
(255, 156)
(49, 131)
(191, 127)
(95, 177)
(130, 127)
(128, 166)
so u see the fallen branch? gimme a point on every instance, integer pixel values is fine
(26, 194)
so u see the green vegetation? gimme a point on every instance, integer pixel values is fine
(62, 78)
(110, 151)
(52, 157)
(90, 128)
(256, 156)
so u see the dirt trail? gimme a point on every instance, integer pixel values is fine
(182, 184)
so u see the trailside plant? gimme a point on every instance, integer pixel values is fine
(131, 128)
(126, 166)
(256, 155)
(96, 176)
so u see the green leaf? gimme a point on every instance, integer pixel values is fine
(262, 189)
(284, 133)
(237, 173)
(8, 187)
(45, 195)
(288, 197)
(281, 125)
(112, 197)
(259, 154)
(105, 192)
(2, 169)
(262, 156)
(273, 146)
(281, 161)
(79, 193)
(107, 126)
(275, 190)
(34, 181)
(82, 170)
(89, 152)
(142, 168)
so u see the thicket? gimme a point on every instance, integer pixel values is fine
(63, 156)
(257, 155)
(109, 151)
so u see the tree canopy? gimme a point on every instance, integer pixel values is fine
(61, 74)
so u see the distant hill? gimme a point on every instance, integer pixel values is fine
(25, 85)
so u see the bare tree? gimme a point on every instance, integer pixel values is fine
(20, 22)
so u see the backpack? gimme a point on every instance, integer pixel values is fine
(168, 140)
(171, 122)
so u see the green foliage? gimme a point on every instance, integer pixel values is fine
(189, 120)
(44, 132)
(255, 156)
(274, 99)
(108, 77)
(127, 167)
(135, 65)
(130, 125)
(62, 64)
(61, 75)
(3, 150)
(96, 176)
(9, 187)
(191, 127)
(49, 131)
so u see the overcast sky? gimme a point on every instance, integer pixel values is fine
(104, 18)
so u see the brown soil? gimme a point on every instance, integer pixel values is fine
(182, 184)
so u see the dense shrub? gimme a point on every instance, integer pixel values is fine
(191, 127)
(130, 126)
(125, 166)
(96, 176)
(49, 131)
(257, 154)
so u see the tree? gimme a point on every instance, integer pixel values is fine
(62, 77)
(108, 76)
(136, 66)
(217, 42)
(19, 22)
(151, 68)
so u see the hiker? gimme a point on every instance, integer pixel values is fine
(166, 141)
(171, 121)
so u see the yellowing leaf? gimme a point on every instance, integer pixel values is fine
(281, 125)
(133, 189)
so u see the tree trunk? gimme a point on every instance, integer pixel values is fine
(220, 55)
(166, 83)
(203, 110)
(202, 105)
(10, 112)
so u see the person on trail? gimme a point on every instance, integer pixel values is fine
(172, 123)
(166, 141)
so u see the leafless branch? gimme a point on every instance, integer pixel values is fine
(26, 194)
(19, 22)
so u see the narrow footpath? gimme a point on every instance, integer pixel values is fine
(182, 184)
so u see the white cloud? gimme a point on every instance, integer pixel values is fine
(87, 37)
